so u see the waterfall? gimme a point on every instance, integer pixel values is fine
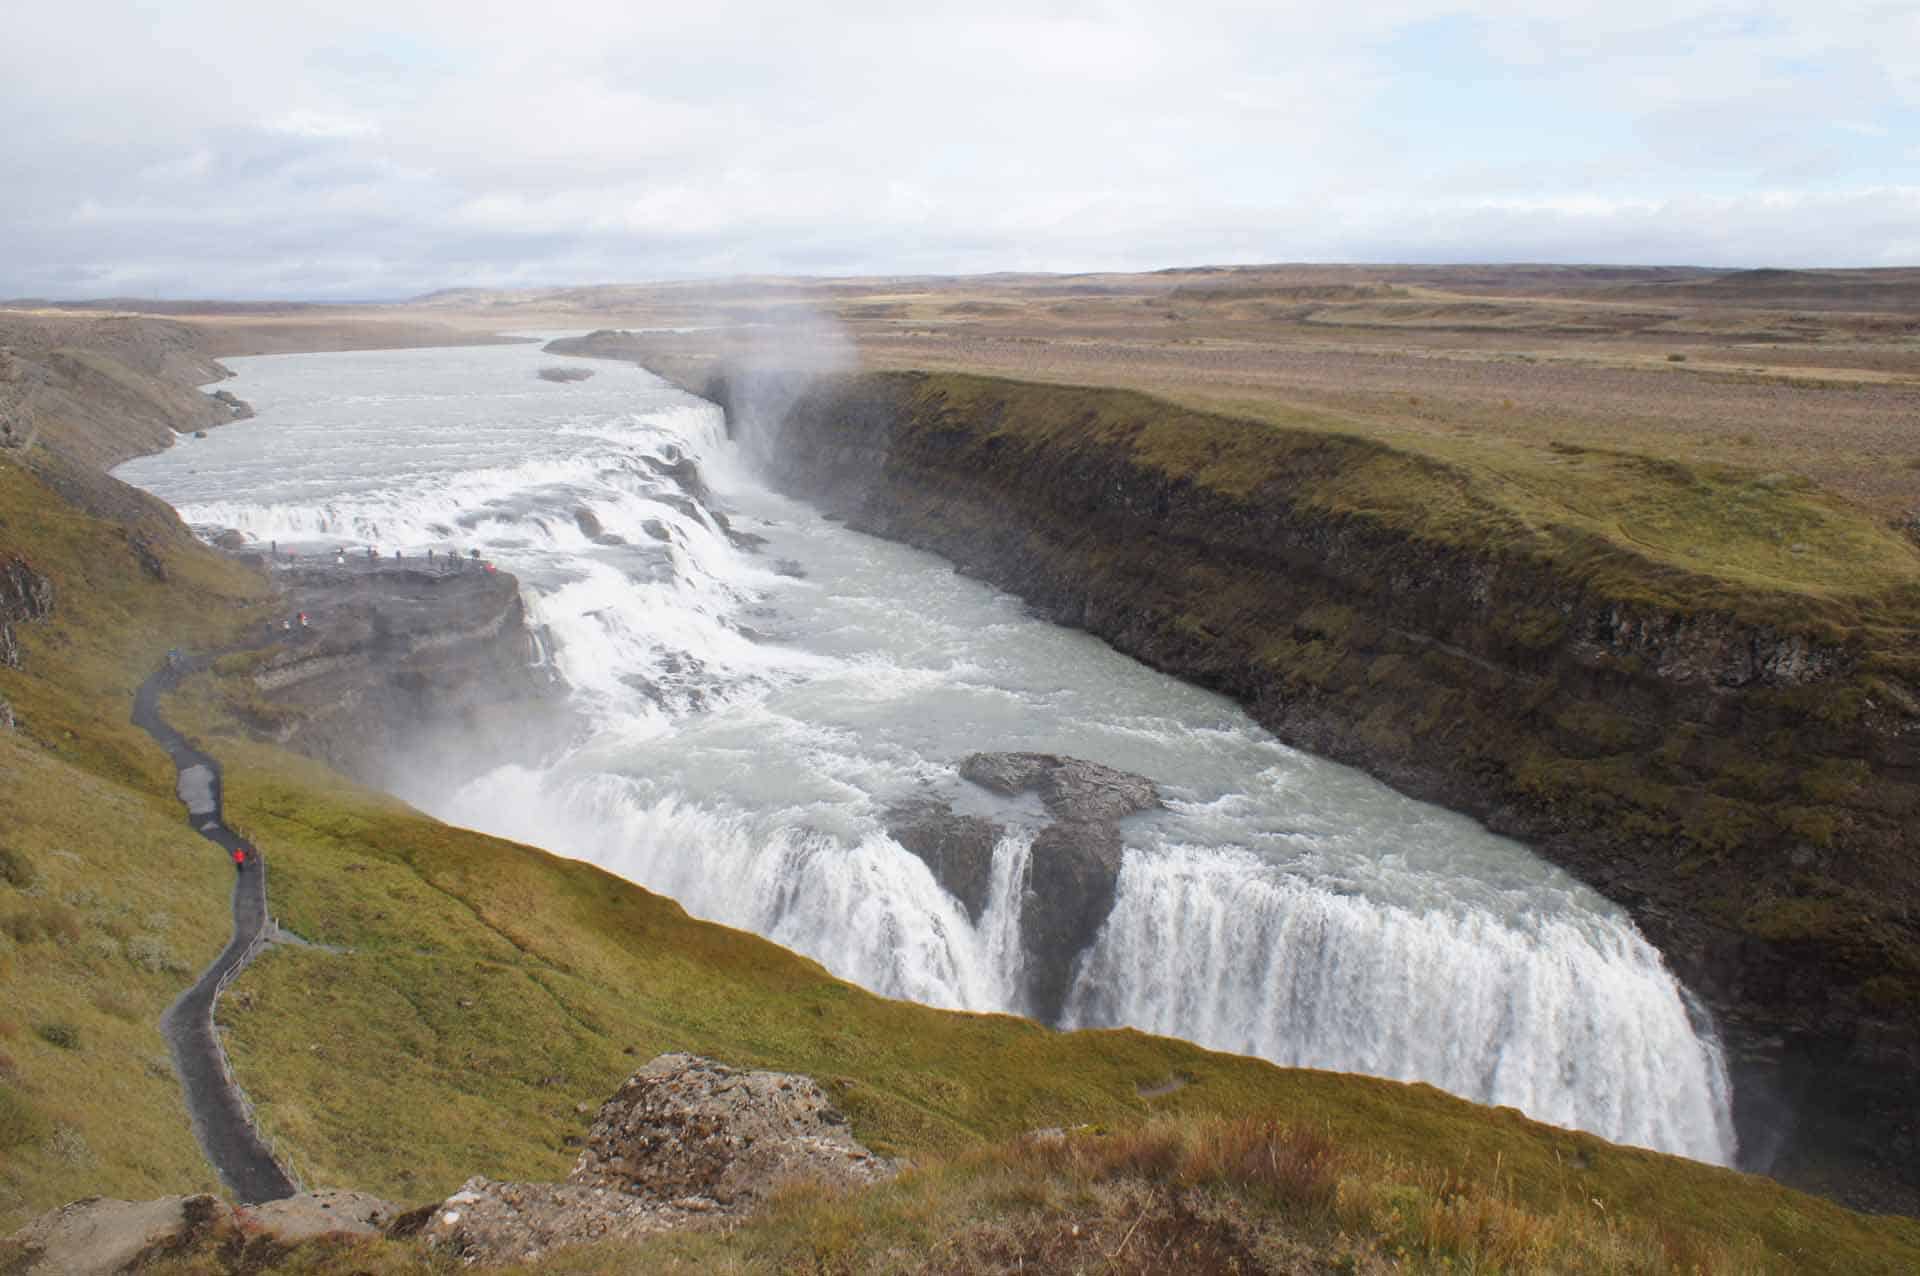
(753, 714)
(1574, 1021)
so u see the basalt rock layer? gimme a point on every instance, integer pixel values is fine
(406, 676)
(1745, 782)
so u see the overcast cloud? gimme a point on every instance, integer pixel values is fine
(355, 149)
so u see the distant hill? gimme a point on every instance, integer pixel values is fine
(1889, 289)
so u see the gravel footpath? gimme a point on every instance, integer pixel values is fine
(222, 1118)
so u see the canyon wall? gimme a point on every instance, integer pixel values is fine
(1747, 787)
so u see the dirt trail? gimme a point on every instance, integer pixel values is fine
(222, 1118)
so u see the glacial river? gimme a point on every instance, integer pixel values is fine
(752, 713)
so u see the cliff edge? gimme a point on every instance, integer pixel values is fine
(1739, 768)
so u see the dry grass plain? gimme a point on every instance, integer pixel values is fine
(1813, 373)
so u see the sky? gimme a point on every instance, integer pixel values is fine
(378, 150)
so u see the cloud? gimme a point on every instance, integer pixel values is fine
(215, 148)
(319, 124)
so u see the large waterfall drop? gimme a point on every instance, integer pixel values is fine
(754, 710)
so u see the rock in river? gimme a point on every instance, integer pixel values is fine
(1072, 789)
(958, 848)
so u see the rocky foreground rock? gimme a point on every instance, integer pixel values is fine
(686, 1141)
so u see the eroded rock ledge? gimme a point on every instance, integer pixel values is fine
(408, 675)
(25, 597)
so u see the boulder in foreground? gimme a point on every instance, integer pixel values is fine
(684, 1141)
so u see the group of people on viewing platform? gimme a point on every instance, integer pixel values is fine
(436, 560)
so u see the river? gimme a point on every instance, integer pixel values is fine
(753, 711)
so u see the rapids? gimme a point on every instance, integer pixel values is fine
(753, 710)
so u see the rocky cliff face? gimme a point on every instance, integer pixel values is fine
(1749, 790)
(25, 596)
(408, 677)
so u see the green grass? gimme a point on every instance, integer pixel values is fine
(473, 992)
(1688, 537)
(107, 899)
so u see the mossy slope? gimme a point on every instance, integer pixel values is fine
(112, 900)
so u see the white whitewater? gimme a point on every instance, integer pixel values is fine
(753, 713)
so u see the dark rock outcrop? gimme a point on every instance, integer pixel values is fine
(1745, 781)
(147, 556)
(681, 470)
(590, 527)
(236, 406)
(1073, 869)
(25, 596)
(958, 848)
(564, 374)
(406, 676)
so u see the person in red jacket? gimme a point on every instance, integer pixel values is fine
(241, 855)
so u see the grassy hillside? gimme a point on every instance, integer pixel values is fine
(474, 992)
(107, 899)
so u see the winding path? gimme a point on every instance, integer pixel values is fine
(222, 1118)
